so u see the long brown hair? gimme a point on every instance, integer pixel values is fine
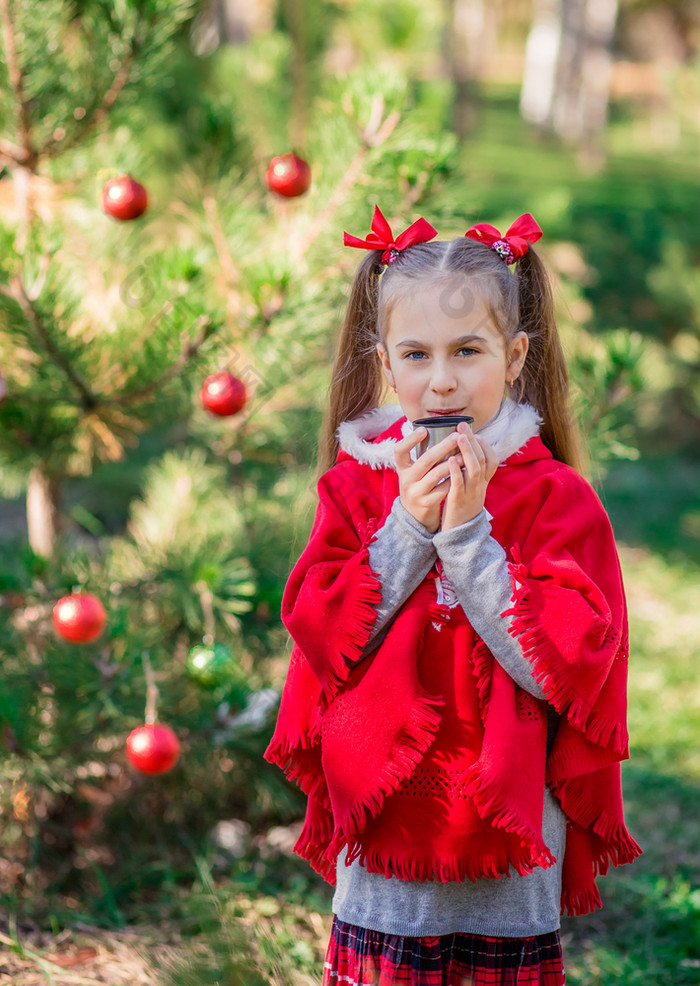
(520, 301)
(544, 379)
(357, 379)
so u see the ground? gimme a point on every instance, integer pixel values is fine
(143, 955)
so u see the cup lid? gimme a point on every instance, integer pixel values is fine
(443, 421)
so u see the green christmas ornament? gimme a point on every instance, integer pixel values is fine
(210, 664)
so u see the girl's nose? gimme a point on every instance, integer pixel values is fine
(443, 379)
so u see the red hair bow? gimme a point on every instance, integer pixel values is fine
(514, 244)
(381, 237)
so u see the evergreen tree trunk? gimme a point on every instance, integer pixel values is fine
(541, 60)
(568, 65)
(240, 20)
(596, 71)
(43, 511)
(467, 43)
(230, 22)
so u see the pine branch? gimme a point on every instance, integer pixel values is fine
(40, 280)
(94, 119)
(27, 156)
(13, 153)
(228, 264)
(415, 192)
(190, 348)
(18, 291)
(375, 133)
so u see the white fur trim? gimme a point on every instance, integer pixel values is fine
(513, 426)
(353, 437)
(511, 429)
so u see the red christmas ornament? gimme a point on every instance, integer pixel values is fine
(124, 198)
(223, 394)
(288, 175)
(79, 617)
(153, 748)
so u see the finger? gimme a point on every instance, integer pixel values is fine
(424, 484)
(456, 478)
(477, 447)
(403, 449)
(472, 454)
(433, 457)
(491, 459)
(437, 495)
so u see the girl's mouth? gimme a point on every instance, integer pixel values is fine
(446, 411)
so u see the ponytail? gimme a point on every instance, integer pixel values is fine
(544, 379)
(357, 379)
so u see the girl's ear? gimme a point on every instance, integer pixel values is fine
(517, 351)
(386, 365)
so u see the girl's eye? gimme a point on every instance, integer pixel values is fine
(467, 351)
(416, 355)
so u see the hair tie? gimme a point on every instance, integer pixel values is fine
(514, 244)
(381, 237)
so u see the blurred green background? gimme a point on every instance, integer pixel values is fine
(586, 114)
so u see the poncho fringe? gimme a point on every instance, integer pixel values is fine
(538, 648)
(362, 615)
(493, 866)
(487, 795)
(575, 904)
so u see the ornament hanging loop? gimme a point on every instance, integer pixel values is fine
(152, 692)
(206, 598)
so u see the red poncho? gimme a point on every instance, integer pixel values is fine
(425, 758)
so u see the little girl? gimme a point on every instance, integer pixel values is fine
(455, 703)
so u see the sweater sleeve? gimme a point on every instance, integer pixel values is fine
(400, 555)
(476, 566)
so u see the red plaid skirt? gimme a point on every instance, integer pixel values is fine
(359, 957)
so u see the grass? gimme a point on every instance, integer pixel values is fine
(210, 934)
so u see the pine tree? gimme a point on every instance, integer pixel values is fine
(108, 329)
(69, 405)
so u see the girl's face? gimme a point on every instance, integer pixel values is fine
(443, 354)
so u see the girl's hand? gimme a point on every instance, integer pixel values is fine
(418, 481)
(467, 492)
